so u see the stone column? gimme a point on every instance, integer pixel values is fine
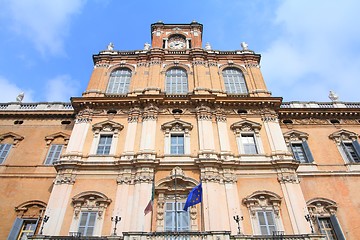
(58, 202)
(142, 194)
(275, 136)
(233, 201)
(294, 199)
(216, 215)
(205, 128)
(223, 134)
(129, 144)
(148, 132)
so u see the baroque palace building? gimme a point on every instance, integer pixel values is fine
(157, 122)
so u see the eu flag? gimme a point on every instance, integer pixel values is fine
(194, 197)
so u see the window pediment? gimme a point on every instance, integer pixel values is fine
(295, 135)
(245, 126)
(183, 183)
(262, 200)
(107, 126)
(176, 126)
(30, 209)
(90, 200)
(50, 138)
(15, 137)
(343, 135)
(321, 207)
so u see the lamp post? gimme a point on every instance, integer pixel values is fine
(308, 219)
(237, 220)
(115, 219)
(45, 219)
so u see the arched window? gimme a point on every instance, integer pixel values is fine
(119, 81)
(234, 81)
(176, 81)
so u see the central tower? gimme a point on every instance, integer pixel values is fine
(176, 36)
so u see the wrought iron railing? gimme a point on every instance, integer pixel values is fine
(213, 235)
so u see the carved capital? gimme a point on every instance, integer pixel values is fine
(65, 179)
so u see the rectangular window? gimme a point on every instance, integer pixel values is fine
(327, 228)
(4, 151)
(87, 223)
(104, 145)
(351, 151)
(266, 222)
(177, 144)
(302, 152)
(176, 219)
(249, 144)
(53, 154)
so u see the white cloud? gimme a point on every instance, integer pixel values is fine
(10, 91)
(61, 88)
(316, 51)
(46, 23)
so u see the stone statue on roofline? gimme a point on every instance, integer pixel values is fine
(110, 47)
(333, 96)
(244, 46)
(207, 46)
(20, 97)
(147, 46)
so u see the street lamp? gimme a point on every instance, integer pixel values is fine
(115, 219)
(237, 220)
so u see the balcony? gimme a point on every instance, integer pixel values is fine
(219, 235)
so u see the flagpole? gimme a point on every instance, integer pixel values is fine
(152, 193)
(202, 210)
(176, 212)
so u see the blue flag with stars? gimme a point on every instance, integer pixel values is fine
(194, 197)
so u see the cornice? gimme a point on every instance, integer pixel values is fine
(170, 100)
(188, 55)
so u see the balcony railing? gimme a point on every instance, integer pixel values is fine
(214, 235)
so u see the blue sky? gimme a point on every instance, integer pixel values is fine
(308, 47)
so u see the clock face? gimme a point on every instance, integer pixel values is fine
(177, 43)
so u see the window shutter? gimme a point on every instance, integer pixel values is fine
(356, 147)
(344, 148)
(319, 226)
(337, 228)
(15, 229)
(307, 151)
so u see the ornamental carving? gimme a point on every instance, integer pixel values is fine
(288, 178)
(308, 121)
(343, 135)
(50, 138)
(107, 126)
(212, 64)
(176, 126)
(321, 207)
(150, 112)
(295, 135)
(84, 116)
(199, 62)
(269, 119)
(65, 179)
(245, 126)
(260, 200)
(103, 65)
(220, 115)
(30, 209)
(134, 114)
(154, 62)
(15, 138)
(90, 201)
(203, 112)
